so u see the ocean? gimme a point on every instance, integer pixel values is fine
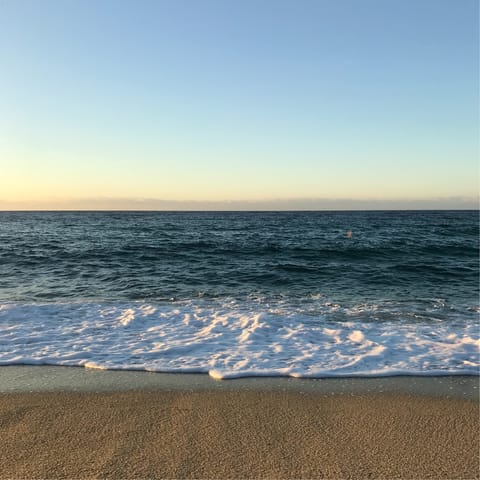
(236, 294)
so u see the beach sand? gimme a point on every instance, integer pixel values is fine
(237, 434)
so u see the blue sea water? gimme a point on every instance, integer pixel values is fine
(242, 293)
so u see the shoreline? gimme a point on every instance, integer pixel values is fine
(43, 378)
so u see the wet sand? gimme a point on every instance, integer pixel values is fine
(237, 434)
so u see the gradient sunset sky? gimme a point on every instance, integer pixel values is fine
(238, 104)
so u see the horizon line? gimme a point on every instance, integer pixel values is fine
(120, 210)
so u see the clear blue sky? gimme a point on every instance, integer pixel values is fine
(133, 103)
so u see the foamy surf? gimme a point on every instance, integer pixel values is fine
(231, 339)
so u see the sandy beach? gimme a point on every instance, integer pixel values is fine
(237, 434)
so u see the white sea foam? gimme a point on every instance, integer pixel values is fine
(232, 339)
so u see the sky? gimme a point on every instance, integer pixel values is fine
(271, 104)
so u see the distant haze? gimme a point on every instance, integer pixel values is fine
(279, 204)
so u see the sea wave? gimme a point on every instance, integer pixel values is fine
(228, 338)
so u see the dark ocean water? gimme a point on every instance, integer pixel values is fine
(157, 256)
(407, 266)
